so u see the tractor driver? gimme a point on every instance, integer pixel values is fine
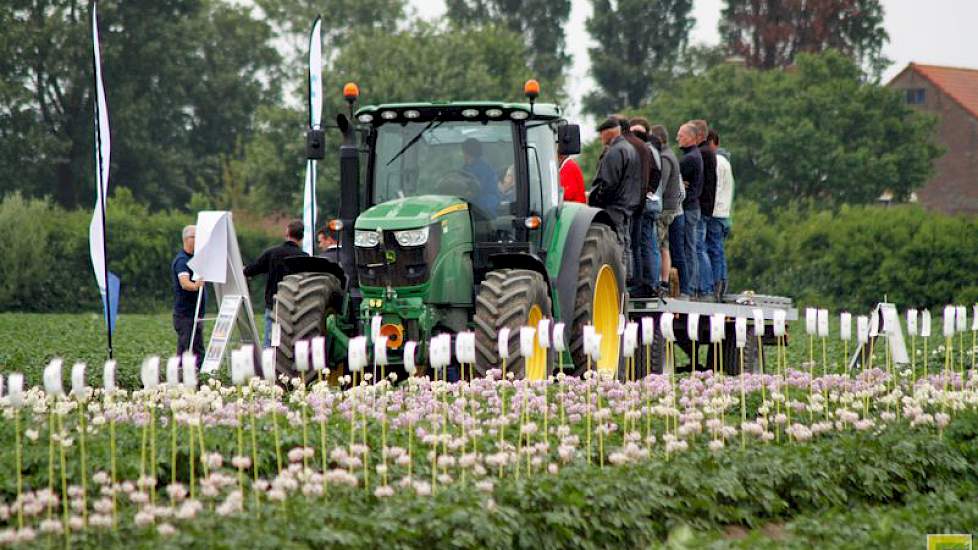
(483, 172)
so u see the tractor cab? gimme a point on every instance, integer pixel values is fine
(500, 159)
(457, 225)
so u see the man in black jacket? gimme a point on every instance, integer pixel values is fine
(617, 187)
(691, 169)
(271, 263)
(707, 201)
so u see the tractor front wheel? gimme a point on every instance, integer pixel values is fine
(511, 298)
(302, 303)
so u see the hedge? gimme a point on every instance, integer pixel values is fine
(855, 256)
(45, 263)
(852, 257)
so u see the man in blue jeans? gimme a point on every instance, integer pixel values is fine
(691, 169)
(718, 225)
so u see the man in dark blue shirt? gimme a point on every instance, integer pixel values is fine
(488, 199)
(691, 169)
(185, 292)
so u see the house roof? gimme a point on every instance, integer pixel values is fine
(959, 84)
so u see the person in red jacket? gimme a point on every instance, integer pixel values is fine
(571, 179)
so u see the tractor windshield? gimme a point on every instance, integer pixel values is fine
(472, 160)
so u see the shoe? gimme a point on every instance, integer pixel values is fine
(720, 290)
(644, 291)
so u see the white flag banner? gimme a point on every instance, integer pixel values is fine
(210, 261)
(103, 154)
(315, 121)
(103, 150)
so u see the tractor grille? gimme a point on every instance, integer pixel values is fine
(411, 265)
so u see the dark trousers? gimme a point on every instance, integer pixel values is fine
(677, 246)
(184, 325)
(645, 251)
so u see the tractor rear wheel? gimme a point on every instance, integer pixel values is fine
(511, 298)
(600, 279)
(303, 301)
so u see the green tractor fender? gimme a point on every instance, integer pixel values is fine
(564, 255)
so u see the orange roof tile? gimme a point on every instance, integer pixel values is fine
(960, 84)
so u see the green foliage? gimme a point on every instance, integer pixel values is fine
(540, 22)
(855, 256)
(772, 33)
(872, 484)
(23, 248)
(818, 132)
(638, 44)
(46, 264)
(182, 79)
(426, 63)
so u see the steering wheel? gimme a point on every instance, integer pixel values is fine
(459, 183)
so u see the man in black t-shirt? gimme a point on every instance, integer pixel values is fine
(270, 263)
(185, 292)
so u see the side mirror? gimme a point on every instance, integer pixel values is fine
(315, 144)
(569, 139)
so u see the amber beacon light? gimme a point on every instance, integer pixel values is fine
(351, 91)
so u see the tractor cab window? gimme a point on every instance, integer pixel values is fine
(542, 167)
(469, 160)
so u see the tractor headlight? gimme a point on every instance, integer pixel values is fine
(366, 239)
(412, 237)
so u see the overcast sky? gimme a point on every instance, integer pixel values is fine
(932, 31)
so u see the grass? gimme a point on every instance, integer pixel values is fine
(30, 340)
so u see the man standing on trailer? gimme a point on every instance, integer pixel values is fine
(618, 183)
(691, 169)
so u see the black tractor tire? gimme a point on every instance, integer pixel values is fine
(648, 359)
(303, 301)
(505, 299)
(731, 354)
(601, 247)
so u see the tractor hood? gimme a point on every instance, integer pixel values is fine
(409, 212)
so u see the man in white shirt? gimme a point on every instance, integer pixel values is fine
(719, 225)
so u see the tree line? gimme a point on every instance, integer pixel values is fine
(206, 97)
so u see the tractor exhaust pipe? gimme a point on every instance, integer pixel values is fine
(349, 197)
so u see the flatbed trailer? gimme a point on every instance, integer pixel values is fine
(731, 306)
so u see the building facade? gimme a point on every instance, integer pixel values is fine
(951, 94)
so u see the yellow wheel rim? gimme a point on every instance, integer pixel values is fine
(605, 309)
(535, 368)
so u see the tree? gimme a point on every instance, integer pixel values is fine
(638, 41)
(540, 22)
(771, 33)
(820, 132)
(182, 77)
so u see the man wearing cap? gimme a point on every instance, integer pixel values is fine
(617, 187)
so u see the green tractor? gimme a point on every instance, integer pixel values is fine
(458, 224)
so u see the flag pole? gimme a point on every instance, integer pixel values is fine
(97, 73)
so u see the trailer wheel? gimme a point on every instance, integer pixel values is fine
(731, 354)
(648, 359)
(600, 280)
(304, 301)
(511, 298)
